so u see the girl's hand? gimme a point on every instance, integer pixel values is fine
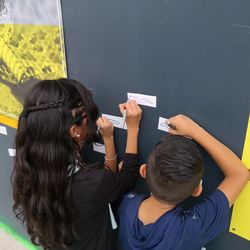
(106, 128)
(133, 115)
(182, 125)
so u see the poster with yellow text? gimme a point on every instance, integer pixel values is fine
(31, 49)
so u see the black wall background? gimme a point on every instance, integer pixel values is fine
(193, 55)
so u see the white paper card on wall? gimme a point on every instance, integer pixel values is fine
(116, 120)
(146, 100)
(12, 152)
(162, 125)
(3, 130)
(98, 147)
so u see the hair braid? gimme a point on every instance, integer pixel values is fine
(51, 105)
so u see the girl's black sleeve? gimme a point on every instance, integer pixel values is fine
(114, 185)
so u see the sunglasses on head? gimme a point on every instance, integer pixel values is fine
(78, 120)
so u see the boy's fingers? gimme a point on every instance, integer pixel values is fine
(172, 131)
(171, 119)
(170, 122)
(171, 125)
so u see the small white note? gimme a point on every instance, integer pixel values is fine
(3, 130)
(98, 147)
(116, 120)
(203, 248)
(12, 152)
(162, 125)
(146, 100)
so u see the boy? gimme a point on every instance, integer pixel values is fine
(173, 173)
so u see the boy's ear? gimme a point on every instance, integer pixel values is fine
(143, 171)
(198, 190)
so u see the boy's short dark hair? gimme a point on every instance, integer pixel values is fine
(174, 169)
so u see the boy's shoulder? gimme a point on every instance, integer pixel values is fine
(131, 198)
(130, 201)
(205, 220)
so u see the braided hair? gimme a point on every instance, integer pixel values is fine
(44, 151)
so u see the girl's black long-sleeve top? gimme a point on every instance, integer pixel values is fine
(92, 190)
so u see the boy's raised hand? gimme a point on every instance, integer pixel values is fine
(182, 125)
(134, 113)
(106, 127)
(236, 174)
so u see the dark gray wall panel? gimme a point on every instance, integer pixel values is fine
(193, 55)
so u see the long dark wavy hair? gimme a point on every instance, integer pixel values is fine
(44, 153)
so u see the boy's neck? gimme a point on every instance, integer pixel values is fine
(151, 209)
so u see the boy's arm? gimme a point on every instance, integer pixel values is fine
(236, 174)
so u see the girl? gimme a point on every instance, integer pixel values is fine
(62, 200)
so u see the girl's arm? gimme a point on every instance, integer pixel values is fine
(114, 185)
(133, 118)
(106, 129)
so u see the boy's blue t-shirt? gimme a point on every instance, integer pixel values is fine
(177, 229)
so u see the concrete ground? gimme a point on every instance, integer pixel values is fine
(7, 242)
